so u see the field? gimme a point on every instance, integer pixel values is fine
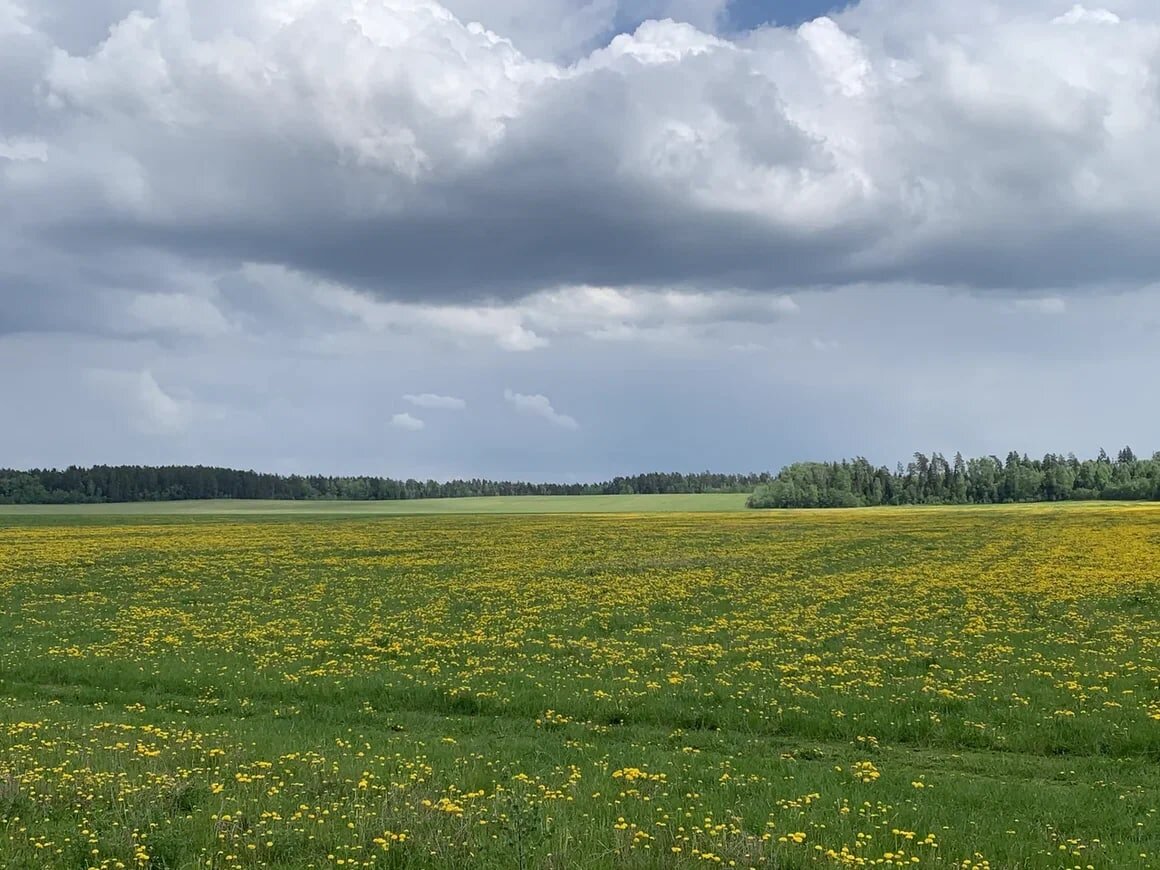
(971, 688)
(524, 504)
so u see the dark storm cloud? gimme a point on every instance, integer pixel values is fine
(454, 255)
(397, 150)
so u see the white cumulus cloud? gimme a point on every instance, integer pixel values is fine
(23, 149)
(501, 324)
(446, 153)
(532, 322)
(13, 19)
(1080, 14)
(539, 406)
(182, 313)
(149, 408)
(407, 422)
(433, 400)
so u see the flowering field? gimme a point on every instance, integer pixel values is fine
(957, 688)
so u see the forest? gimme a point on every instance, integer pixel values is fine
(128, 483)
(985, 480)
(925, 479)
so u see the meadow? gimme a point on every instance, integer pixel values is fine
(521, 504)
(971, 688)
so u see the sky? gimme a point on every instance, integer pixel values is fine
(570, 239)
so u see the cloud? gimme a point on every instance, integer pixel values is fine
(539, 406)
(565, 30)
(503, 325)
(160, 411)
(530, 323)
(431, 400)
(402, 150)
(180, 313)
(407, 422)
(13, 19)
(23, 149)
(151, 410)
(1081, 15)
(975, 377)
(335, 195)
(628, 313)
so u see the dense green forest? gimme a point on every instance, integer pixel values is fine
(988, 480)
(103, 483)
(850, 483)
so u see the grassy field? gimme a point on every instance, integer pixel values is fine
(971, 688)
(524, 504)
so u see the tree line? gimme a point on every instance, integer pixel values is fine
(986, 480)
(127, 483)
(850, 483)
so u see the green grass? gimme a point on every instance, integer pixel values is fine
(525, 504)
(968, 687)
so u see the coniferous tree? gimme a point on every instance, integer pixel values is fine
(984, 480)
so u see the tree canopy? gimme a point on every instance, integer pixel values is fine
(850, 483)
(126, 483)
(986, 480)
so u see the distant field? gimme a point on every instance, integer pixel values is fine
(524, 504)
(969, 688)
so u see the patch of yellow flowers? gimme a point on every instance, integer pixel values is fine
(244, 694)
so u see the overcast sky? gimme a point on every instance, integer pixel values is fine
(567, 239)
